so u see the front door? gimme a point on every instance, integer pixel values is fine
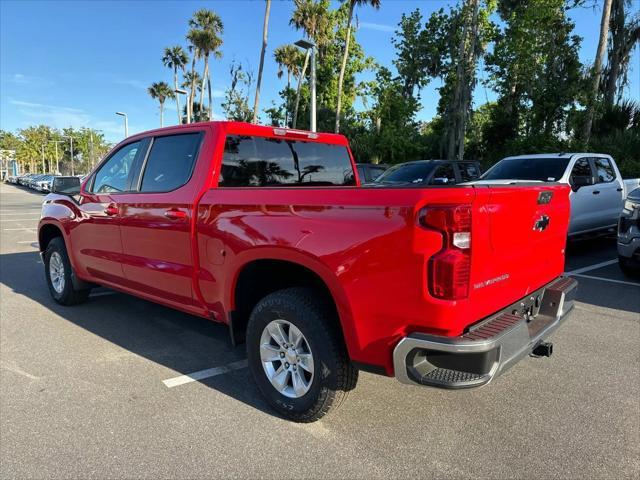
(157, 218)
(96, 238)
(609, 188)
(584, 202)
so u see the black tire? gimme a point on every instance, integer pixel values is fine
(333, 374)
(629, 266)
(68, 294)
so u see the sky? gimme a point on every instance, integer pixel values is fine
(75, 63)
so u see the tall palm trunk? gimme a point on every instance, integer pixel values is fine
(204, 79)
(597, 69)
(302, 72)
(161, 114)
(286, 104)
(192, 91)
(210, 99)
(343, 67)
(175, 87)
(265, 30)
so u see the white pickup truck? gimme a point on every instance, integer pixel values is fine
(597, 189)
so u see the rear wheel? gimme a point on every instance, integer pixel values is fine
(59, 273)
(297, 356)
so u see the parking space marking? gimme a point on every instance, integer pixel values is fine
(209, 372)
(591, 267)
(27, 241)
(18, 229)
(3, 220)
(622, 282)
(34, 212)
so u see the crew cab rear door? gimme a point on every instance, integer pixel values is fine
(157, 218)
(609, 188)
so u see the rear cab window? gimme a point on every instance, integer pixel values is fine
(528, 168)
(253, 161)
(468, 171)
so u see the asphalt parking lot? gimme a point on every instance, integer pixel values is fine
(99, 390)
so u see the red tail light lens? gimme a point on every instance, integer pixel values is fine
(450, 269)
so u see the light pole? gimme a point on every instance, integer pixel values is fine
(310, 46)
(126, 123)
(73, 171)
(43, 166)
(180, 91)
(56, 142)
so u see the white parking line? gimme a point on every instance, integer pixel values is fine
(18, 229)
(591, 267)
(2, 220)
(210, 372)
(34, 212)
(622, 282)
(27, 241)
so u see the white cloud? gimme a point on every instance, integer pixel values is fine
(380, 27)
(27, 80)
(132, 83)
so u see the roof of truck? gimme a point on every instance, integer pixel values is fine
(559, 155)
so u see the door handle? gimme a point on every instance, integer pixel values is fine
(618, 189)
(111, 210)
(175, 214)
(596, 192)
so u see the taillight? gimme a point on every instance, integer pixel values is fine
(449, 269)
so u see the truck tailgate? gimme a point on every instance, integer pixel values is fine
(518, 241)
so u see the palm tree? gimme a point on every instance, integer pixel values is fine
(175, 58)
(207, 27)
(192, 38)
(265, 29)
(352, 4)
(289, 58)
(597, 68)
(313, 18)
(160, 91)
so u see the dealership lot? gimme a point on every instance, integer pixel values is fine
(120, 387)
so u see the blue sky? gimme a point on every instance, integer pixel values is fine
(74, 63)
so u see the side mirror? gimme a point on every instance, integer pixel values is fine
(580, 181)
(66, 185)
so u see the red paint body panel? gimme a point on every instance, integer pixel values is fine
(365, 244)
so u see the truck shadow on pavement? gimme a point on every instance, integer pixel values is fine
(181, 342)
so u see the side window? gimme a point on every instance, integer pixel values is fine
(113, 176)
(170, 162)
(376, 172)
(604, 170)
(468, 171)
(443, 175)
(263, 162)
(580, 169)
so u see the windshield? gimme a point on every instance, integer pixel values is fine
(406, 173)
(541, 169)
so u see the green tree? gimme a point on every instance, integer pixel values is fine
(289, 58)
(176, 58)
(160, 91)
(236, 101)
(352, 4)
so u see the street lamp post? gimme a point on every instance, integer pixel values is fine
(73, 171)
(56, 142)
(180, 91)
(126, 123)
(308, 45)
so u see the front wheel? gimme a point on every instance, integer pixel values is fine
(58, 273)
(297, 356)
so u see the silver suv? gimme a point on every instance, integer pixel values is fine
(629, 235)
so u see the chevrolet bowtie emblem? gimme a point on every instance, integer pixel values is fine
(541, 223)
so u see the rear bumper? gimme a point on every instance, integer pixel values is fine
(489, 347)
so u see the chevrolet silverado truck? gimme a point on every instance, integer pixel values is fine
(268, 231)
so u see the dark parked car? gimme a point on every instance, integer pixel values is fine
(629, 235)
(429, 172)
(368, 172)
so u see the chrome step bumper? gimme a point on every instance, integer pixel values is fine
(489, 347)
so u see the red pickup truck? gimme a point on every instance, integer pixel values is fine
(269, 231)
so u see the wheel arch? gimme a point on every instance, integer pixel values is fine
(269, 270)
